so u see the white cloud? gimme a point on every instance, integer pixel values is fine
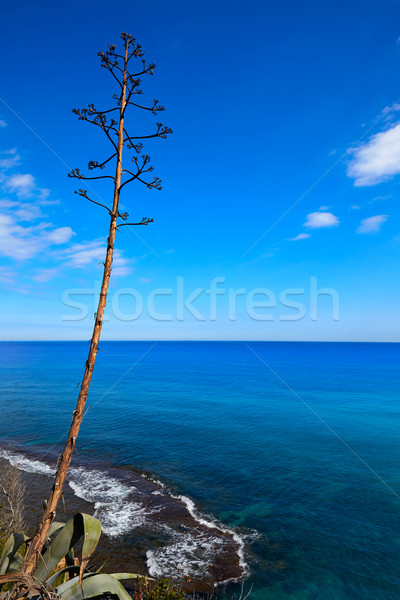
(378, 160)
(301, 236)
(28, 212)
(8, 163)
(44, 275)
(7, 275)
(389, 109)
(5, 203)
(144, 280)
(60, 235)
(16, 241)
(81, 255)
(22, 243)
(22, 211)
(319, 219)
(372, 224)
(48, 202)
(120, 266)
(22, 184)
(3, 123)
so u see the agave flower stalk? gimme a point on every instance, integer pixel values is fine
(114, 129)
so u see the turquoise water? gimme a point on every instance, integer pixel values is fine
(295, 445)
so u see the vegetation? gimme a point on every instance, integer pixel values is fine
(60, 571)
(161, 590)
(12, 497)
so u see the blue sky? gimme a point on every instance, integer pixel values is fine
(281, 177)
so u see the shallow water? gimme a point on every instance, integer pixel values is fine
(293, 448)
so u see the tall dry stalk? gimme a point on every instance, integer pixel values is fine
(129, 87)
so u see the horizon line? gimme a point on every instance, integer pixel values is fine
(251, 341)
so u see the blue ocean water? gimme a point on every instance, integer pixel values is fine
(295, 445)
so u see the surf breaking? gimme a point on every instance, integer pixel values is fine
(138, 513)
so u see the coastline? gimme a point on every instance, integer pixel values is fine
(146, 529)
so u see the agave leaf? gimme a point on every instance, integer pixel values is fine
(55, 526)
(72, 531)
(15, 563)
(70, 558)
(92, 527)
(12, 545)
(92, 585)
(101, 567)
(120, 576)
(53, 578)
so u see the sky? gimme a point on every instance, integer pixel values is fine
(279, 213)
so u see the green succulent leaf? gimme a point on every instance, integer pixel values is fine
(15, 563)
(80, 525)
(121, 576)
(12, 545)
(91, 585)
(70, 570)
(55, 526)
(92, 534)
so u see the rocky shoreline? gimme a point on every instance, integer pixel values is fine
(152, 547)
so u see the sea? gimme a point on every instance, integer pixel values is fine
(269, 465)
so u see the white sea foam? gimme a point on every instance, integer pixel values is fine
(26, 464)
(188, 552)
(120, 514)
(117, 513)
(154, 480)
(165, 561)
(95, 486)
(117, 520)
(190, 505)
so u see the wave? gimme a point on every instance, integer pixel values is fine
(117, 514)
(26, 464)
(212, 524)
(187, 552)
(165, 559)
(125, 502)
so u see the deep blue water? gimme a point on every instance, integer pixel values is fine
(299, 444)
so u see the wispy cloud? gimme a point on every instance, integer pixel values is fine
(319, 219)
(21, 211)
(8, 163)
(7, 275)
(372, 224)
(3, 123)
(84, 254)
(121, 265)
(301, 236)
(22, 243)
(28, 212)
(61, 235)
(44, 275)
(378, 160)
(23, 184)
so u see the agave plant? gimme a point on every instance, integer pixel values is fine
(74, 581)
